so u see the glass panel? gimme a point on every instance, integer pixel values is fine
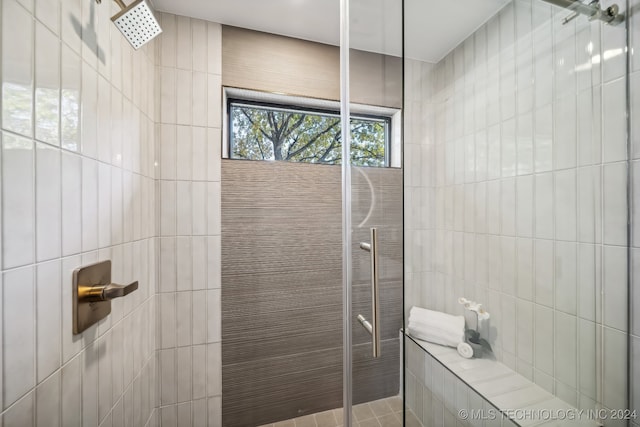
(280, 247)
(375, 79)
(516, 183)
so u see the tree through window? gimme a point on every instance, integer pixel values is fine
(265, 132)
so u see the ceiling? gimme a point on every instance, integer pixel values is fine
(433, 28)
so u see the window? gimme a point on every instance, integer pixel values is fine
(268, 131)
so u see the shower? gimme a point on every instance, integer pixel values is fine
(611, 15)
(136, 22)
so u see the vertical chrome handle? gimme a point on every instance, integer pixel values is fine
(374, 327)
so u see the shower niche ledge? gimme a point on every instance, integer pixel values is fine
(519, 399)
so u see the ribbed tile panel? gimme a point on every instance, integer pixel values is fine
(282, 288)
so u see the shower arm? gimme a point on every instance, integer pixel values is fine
(592, 10)
(118, 2)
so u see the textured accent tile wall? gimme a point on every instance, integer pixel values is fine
(78, 139)
(516, 195)
(282, 288)
(188, 193)
(274, 63)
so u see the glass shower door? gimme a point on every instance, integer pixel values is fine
(289, 341)
(372, 182)
(281, 219)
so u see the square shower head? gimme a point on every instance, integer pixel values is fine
(137, 23)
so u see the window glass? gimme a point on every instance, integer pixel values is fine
(269, 132)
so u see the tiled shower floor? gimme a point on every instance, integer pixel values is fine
(380, 413)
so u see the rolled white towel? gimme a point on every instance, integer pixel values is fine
(465, 350)
(436, 336)
(436, 327)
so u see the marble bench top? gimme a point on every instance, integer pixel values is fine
(506, 389)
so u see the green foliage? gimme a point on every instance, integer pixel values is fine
(261, 133)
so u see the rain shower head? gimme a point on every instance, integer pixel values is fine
(590, 8)
(136, 22)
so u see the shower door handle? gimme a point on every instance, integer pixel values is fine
(373, 327)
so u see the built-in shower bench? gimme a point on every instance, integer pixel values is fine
(511, 393)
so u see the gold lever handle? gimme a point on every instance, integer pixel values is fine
(104, 292)
(93, 292)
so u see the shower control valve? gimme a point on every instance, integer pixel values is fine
(92, 294)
